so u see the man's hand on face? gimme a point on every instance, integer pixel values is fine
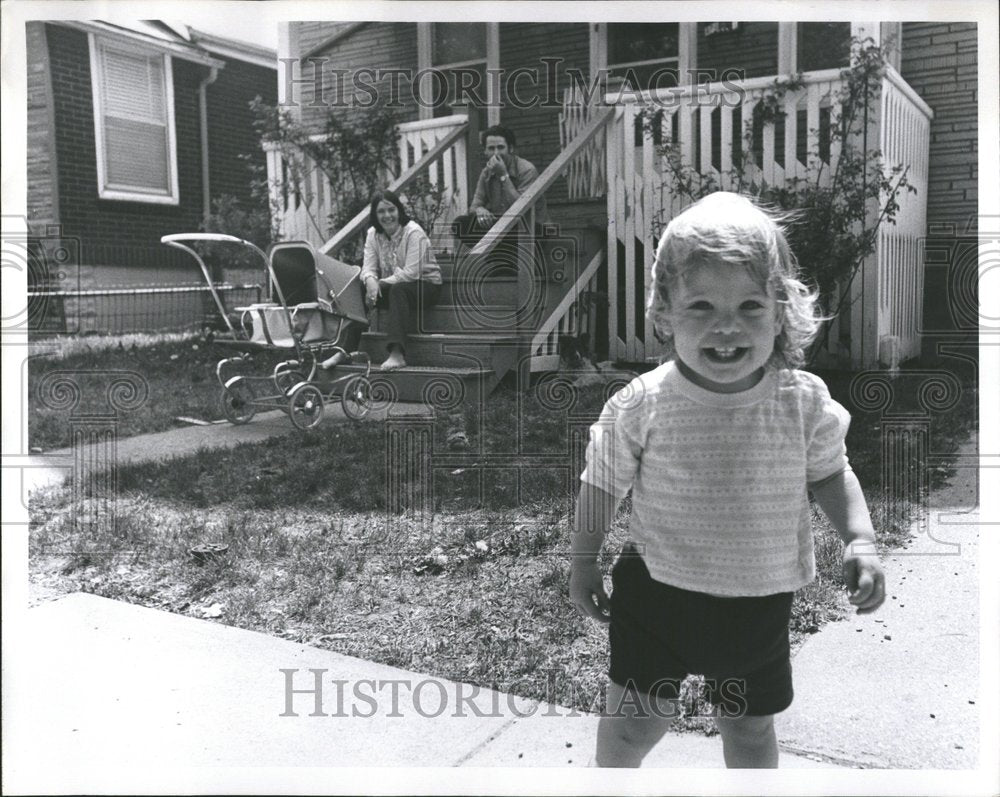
(497, 166)
(497, 151)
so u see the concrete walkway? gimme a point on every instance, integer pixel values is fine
(53, 467)
(900, 689)
(117, 694)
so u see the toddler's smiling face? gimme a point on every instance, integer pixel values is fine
(723, 325)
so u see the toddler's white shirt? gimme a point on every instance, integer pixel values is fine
(719, 497)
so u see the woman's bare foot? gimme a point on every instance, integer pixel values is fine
(394, 361)
(337, 359)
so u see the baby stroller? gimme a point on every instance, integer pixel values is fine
(310, 300)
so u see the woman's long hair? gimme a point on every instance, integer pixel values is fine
(388, 196)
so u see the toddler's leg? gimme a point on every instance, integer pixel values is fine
(749, 742)
(631, 726)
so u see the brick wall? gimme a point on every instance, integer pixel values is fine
(939, 60)
(114, 232)
(752, 49)
(42, 188)
(230, 125)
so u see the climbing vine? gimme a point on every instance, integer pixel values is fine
(832, 229)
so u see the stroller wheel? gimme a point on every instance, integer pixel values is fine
(357, 398)
(237, 402)
(286, 379)
(305, 406)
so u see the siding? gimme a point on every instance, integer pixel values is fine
(380, 45)
(537, 127)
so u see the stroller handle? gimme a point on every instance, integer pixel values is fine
(203, 236)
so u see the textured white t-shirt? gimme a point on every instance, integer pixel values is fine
(718, 480)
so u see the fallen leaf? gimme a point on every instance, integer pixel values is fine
(215, 610)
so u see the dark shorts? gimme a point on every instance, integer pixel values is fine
(660, 634)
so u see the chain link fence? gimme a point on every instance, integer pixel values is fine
(54, 310)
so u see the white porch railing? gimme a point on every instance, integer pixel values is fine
(585, 173)
(302, 198)
(710, 130)
(904, 138)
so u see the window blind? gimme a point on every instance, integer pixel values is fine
(134, 122)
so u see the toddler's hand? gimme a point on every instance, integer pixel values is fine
(864, 577)
(586, 592)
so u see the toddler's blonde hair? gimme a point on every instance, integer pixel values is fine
(731, 228)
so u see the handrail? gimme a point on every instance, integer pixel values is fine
(435, 152)
(904, 88)
(567, 301)
(527, 200)
(669, 97)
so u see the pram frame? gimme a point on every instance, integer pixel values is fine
(299, 394)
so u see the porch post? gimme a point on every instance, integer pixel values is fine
(787, 48)
(473, 150)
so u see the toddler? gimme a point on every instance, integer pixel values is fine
(720, 446)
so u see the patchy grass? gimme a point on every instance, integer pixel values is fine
(176, 373)
(473, 588)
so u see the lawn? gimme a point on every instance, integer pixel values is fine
(472, 587)
(176, 372)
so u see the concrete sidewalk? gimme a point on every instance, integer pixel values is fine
(899, 689)
(114, 691)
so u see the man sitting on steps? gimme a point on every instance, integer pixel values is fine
(502, 181)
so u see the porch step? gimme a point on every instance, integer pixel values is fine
(440, 387)
(473, 318)
(494, 352)
(471, 291)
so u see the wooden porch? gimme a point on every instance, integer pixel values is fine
(609, 153)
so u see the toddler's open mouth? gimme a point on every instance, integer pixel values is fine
(724, 354)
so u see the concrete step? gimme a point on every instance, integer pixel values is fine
(495, 352)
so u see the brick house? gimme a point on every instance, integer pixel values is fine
(132, 133)
(915, 285)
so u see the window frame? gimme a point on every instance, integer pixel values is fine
(669, 59)
(425, 57)
(132, 193)
(687, 49)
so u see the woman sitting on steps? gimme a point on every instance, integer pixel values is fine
(399, 273)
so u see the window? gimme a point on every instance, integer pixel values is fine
(459, 54)
(823, 45)
(646, 55)
(459, 43)
(134, 123)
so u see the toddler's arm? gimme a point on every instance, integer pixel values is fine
(841, 499)
(595, 509)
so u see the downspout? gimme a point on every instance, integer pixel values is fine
(206, 194)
